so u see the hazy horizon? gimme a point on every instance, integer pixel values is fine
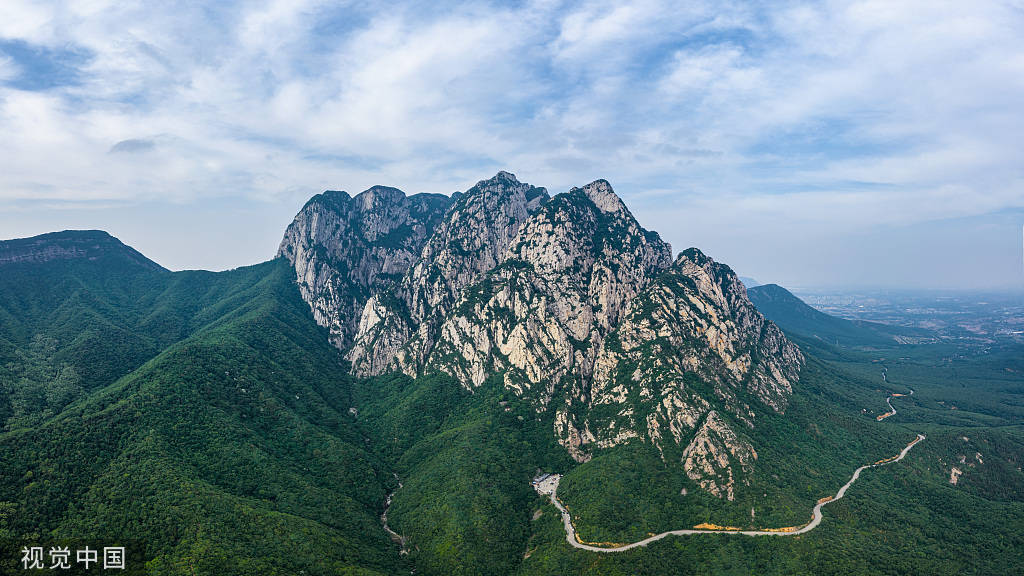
(162, 240)
(846, 144)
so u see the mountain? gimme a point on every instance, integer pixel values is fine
(569, 304)
(749, 282)
(540, 315)
(691, 356)
(796, 317)
(82, 288)
(73, 245)
(232, 440)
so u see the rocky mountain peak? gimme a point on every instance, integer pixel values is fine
(470, 240)
(378, 198)
(344, 249)
(694, 262)
(484, 220)
(693, 330)
(714, 281)
(332, 196)
(601, 194)
(503, 176)
(572, 305)
(537, 318)
(597, 259)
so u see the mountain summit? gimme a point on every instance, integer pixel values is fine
(345, 249)
(89, 245)
(565, 301)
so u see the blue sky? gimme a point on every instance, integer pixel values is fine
(812, 144)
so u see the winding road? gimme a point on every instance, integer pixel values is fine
(892, 411)
(550, 486)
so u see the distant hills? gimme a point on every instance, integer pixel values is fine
(794, 316)
(89, 245)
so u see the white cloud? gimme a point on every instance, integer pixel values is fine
(26, 20)
(595, 30)
(844, 114)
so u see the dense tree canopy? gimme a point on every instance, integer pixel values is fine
(205, 417)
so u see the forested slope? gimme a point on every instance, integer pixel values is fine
(229, 451)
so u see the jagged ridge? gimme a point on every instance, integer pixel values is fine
(346, 249)
(567, 301)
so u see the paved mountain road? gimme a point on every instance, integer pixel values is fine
(550, 486)
(888, 400)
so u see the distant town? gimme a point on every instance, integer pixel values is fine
(983, 318)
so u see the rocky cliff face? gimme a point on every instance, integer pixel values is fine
(538, 319)
(716, 457)
(471, 240)
(345, 249)
(690, 342)
(567, 302)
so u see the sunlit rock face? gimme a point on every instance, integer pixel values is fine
(471, 240)
(691, 342)
(565, 301)
(344, 249)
